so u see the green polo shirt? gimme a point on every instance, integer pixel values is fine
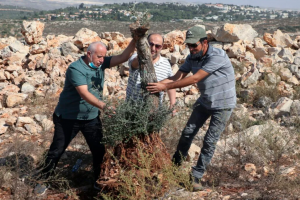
(71, 105)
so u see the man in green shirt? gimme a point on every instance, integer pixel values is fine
(79, 104)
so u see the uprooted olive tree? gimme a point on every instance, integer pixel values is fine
(135, 155)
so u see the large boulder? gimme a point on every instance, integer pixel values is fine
(235, 32)
(278, 39)
(118, 37)
(286, 55)
(173, 38)
(32, 31)
(236, 50)
(84, 37)
(13, 99)
(18, 46)
(68, 48)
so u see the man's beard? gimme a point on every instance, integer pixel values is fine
(196, 56)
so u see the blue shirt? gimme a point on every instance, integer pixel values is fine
(217, 90)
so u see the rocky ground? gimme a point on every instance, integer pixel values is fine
(256, 158)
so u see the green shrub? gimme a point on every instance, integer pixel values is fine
(131, 118)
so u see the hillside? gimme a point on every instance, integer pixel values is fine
(257, 156)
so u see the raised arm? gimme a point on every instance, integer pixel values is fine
(124, 56)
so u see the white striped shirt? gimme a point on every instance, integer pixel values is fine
(162, 69)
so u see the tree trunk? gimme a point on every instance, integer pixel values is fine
(146, 67)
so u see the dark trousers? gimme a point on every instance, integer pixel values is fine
(217, 125)
(65, 131)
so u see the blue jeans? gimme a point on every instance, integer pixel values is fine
(217, 125)
(65, 131)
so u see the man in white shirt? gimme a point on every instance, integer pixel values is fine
(162, 68)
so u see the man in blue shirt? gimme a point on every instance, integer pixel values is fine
(214, 75)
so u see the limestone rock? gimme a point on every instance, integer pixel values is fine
(39, 48)
(282, 107)
(274, 50)
(295, 107)
(263, 102)
(175, 57)
(32, 31)
(193, 152)
(285, 74)
(21, 121)
(3, 127)
(293, 80)
(52, 41)
(259, 52)
(35, 77)
(173, 38)
(105, 35)
(39, 117)
(113, 45)
(258, 43)
(273, 78)
(297, 59)
(68, 48)
(17, 46)
(235, 32)
(13, 99)
(47, 124)
(84, 37)
(11, 120)
(237, 50)
(27, 88)
(12, 68)
(295, 70)
(251, 77)
(278, 39)
(16, 58)
(286, 55)
(34, 60)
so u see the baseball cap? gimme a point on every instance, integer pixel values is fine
(194, 34)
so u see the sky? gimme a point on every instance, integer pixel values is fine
(52, 4)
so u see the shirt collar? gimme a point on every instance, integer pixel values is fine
(159, 60)
(209, 50)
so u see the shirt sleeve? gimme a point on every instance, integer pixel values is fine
(186, 67)
(75, 77)
(106, 62)
(130, 61)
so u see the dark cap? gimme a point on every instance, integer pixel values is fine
(194, 34)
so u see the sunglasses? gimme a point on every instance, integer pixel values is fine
(193, 45)
(157, 46)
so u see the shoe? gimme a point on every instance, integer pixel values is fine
(40, 189)
(97, 187)
(196, 184)
(197, 187)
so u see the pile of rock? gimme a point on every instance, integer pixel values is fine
(38, 64)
